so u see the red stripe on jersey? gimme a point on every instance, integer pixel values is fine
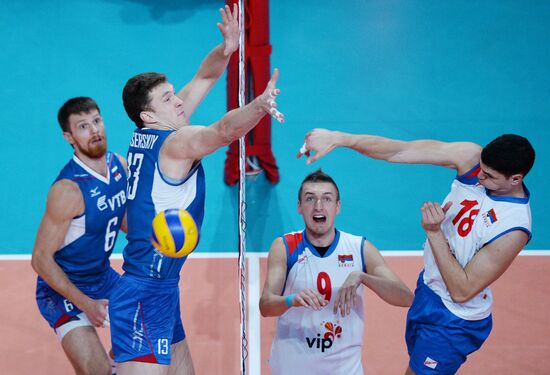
(292, 240)
(473, 173)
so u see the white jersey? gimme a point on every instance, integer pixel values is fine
(320, 342)
(474, 220)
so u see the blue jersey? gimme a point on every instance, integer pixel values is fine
(84, 254)
(150, 192)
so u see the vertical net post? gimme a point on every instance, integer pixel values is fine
(242, 196)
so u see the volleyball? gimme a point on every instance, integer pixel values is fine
(175, 233)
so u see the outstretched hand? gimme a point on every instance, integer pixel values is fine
(433, 215)
(268, 98)
(321, 141)
(229, 28)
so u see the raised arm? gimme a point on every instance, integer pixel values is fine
(195, 142)
(213, 66)
(64, 203)
(379, 278)
(464, 283)
(272, 303)
(461, 156)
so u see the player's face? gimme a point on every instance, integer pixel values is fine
(166, 106)
(87, 134)
(319, 205)
(495, 182)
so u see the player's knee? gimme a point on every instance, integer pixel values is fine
(95, 367)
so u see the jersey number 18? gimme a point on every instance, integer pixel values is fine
(467, 223)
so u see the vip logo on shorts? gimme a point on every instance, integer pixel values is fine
(428, 362)
(489, 217)
(345, 260)
(332, 332)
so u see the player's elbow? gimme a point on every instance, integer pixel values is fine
(403, 299)
(461, 296)
(408, 298)
(263, 312)
(263, 308)
(458, 299)
(35, 263)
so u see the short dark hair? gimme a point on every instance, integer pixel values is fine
(509, 154)
(317, 177)
(135, 95)
(80, 104)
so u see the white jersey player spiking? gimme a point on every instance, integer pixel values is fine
(314, 284)
(472, 238)
(475, 219)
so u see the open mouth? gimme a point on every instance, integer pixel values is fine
(319, 218)
(96, 140)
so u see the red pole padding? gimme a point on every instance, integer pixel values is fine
(257, 70)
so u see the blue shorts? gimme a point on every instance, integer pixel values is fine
(437, 340)
(58, 310)
(145, 319)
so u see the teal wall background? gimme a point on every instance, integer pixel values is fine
(450, 70)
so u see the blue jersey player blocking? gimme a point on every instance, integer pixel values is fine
(472, 237)
(165, 171)
(84, 211)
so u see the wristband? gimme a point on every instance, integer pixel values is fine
(289, 299)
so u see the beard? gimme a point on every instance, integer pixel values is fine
(94, 150)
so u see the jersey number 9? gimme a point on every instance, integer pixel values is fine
(323, 285)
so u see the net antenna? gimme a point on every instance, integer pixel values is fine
(242, 196)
